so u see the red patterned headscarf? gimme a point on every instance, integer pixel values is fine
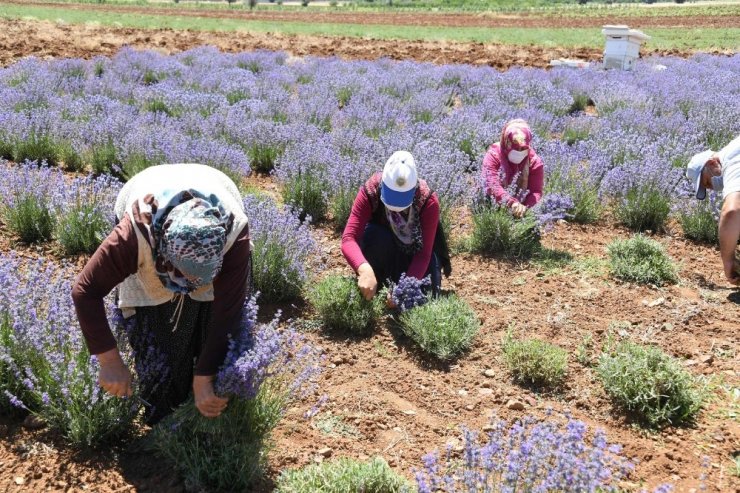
(516, 136)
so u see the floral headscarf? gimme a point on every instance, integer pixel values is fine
(188, 237)
(516, 136)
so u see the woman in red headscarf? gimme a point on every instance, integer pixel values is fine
(513, 158)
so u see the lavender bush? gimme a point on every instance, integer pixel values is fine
(642, 260)
(340, 305)
(44, 364)
(700, 218)
(445, 327)
(529, 455)
(283, 246)
(535, 362)
(39, 202)
(343, 476)
(265, 369)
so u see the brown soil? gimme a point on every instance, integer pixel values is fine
(19, 38)
(387, 399)
(483, 19)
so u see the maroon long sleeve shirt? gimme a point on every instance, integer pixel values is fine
(117, 258)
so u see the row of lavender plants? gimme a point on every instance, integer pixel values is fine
(322, 125)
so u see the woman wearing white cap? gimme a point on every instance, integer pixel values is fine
(394, 228)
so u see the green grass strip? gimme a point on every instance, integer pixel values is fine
(663, 38)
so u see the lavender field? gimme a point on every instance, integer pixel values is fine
(615, 146)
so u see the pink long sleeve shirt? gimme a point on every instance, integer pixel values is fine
(495, 184)
(361, 214)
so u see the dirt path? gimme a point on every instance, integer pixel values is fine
(20, 38)
(386, 399)
(493, 20)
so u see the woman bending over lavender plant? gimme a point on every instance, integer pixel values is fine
(514, 158)
(181, 260)
(394, 228)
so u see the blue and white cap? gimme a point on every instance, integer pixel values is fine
(399, 181)
(694, 169)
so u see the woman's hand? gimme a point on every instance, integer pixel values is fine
(518, 210)
(389, 301)
(366, 281)
(114, 376)
(207, 402)
(732, 276)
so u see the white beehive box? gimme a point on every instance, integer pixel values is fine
(622, 46)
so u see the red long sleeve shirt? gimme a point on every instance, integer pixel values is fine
(117, 258)
(361, 214)
(494, 161)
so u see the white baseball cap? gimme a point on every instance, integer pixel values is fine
(399, 181)
(694, 169)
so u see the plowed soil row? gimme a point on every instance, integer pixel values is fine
(418, 18)
(20, 38)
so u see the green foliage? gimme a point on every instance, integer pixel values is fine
(644, 208)
(496, 231)
(699, 223)
(443, 327)
(642, 260)
(341, 207)
(343, 476)
(36, 147)
(227, 453)
(81, 229)
(341, 306)
(103, 158)
(262, 157)
(646, 381)
(532, 361)
(69, 158)
(307, 193)
(30, 218)
(587, 206)
(273, 273)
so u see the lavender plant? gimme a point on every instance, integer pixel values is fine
(409, 293)
(28, 200)
(649, 383)
(496, 231)
(343, 476)
(529, 455)
(283, 246)
(535, 362)
(87, 216)
(445, 327)
(265, 369)
(340, 305)
(700, 218)
(642, 260)
(44, 364)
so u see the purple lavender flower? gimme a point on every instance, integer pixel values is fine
(409, 292)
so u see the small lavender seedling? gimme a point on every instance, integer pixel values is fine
(340, 305)
(342, 476)
(536, 362)
(642, 260)
(646, 381)
(444, 327)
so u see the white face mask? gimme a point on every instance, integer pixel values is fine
(517, 157)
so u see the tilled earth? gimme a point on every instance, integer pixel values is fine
(21, 38)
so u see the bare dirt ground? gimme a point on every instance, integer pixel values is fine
(21, 38)
(385, 398)
(484, 19)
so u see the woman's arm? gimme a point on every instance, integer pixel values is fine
(492, 177)
(230, 290)
(114, 260)
(536, 182)
(429, 220)
(359, 217)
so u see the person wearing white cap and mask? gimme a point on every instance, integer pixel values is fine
(513, 158)
(394, 228)
(720, 171)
